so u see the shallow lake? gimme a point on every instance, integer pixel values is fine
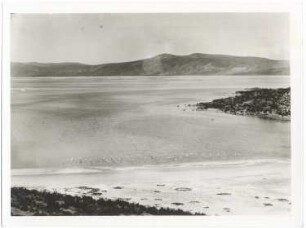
(133, 121)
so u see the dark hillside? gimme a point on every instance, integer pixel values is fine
(164, 64)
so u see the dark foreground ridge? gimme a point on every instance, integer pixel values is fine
(160, 65)
(264, 103)
(42, 203)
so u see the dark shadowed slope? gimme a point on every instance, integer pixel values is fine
(164, 64)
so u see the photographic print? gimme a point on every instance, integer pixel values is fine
(150, 114)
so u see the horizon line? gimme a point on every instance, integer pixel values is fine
(179, 55)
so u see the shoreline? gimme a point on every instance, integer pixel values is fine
(187, 107)
(99, 169)
(148, 76)
(261, 116)
(236, 188)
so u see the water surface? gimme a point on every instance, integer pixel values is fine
(133, 121)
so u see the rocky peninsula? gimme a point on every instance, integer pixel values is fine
(264, 103)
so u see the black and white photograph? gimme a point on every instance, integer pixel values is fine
(150, 114)
(144, 114)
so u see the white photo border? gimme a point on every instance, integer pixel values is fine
(292, 7)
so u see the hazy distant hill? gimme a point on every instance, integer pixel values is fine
(164, 64)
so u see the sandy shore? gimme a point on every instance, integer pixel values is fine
(255, 187)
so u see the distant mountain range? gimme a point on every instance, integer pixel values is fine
(160, 65)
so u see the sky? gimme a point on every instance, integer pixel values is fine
(106, 38)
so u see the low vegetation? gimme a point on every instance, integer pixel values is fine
(266, 103)
(44, 203)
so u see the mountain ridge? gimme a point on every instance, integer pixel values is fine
(160, 65)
